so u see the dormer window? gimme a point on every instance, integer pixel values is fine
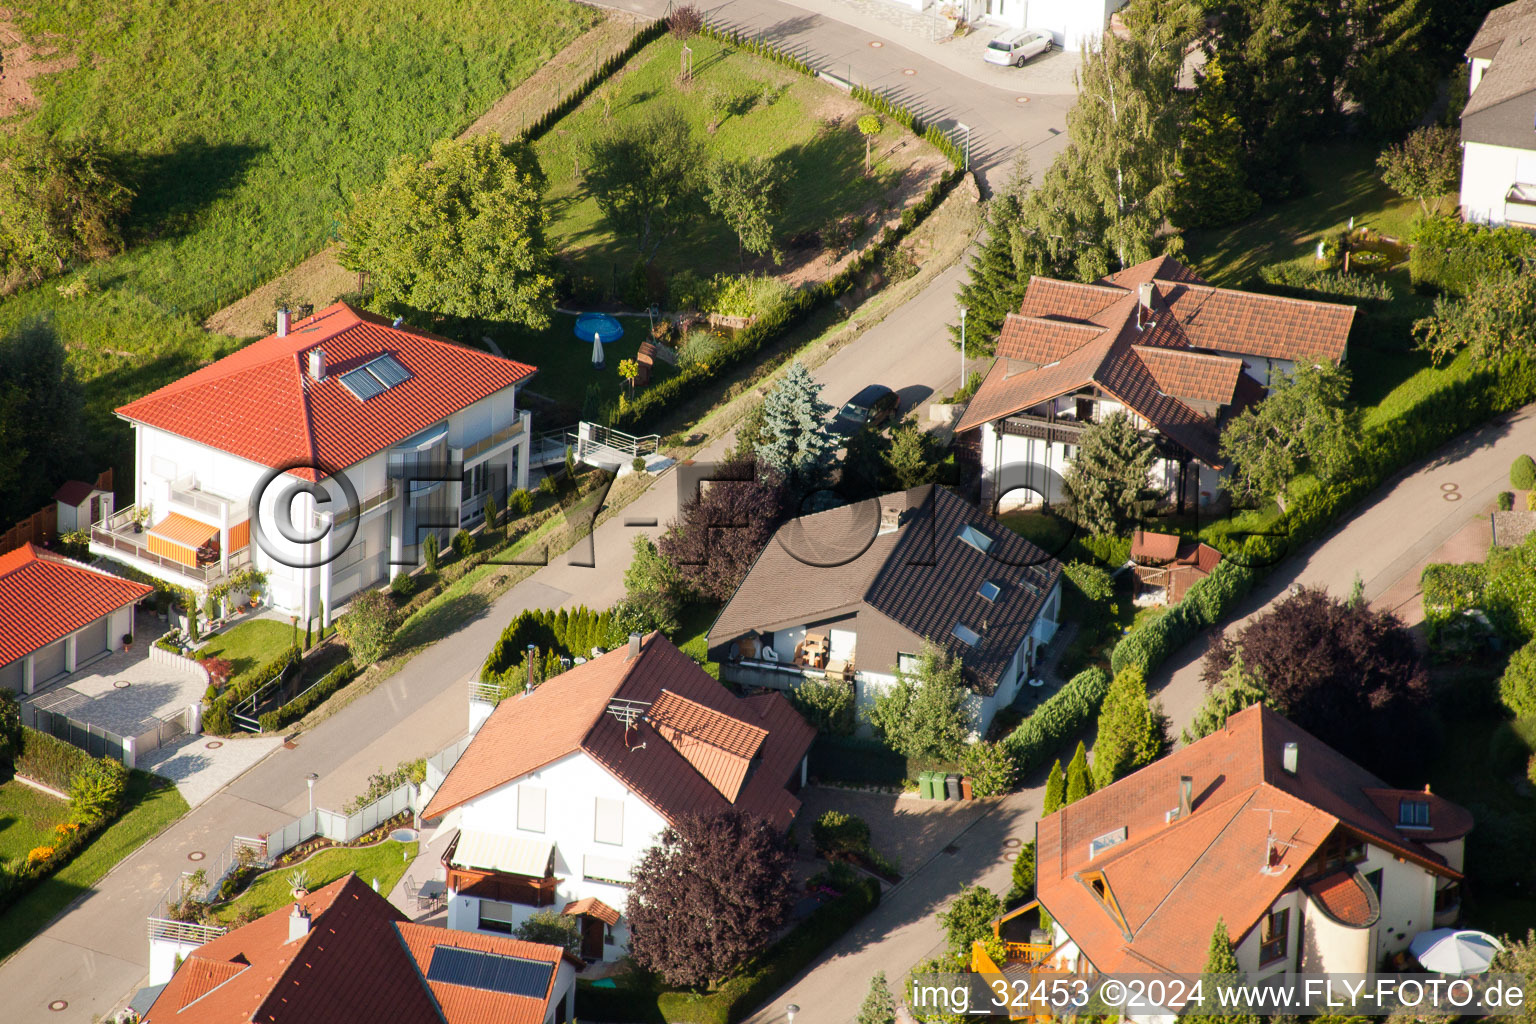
(975, 538)
(1412, 813)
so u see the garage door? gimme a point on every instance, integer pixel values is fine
(10, 677)
(47, 663)
(91, 641)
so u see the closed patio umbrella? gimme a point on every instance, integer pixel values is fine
(597, 351)
(1453, 951)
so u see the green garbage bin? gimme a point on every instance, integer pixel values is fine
(925, 785)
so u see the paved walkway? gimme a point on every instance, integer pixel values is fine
(202, 765)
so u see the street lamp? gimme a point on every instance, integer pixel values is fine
(790, 1012)
(962, 348)
(967, 129)
(313, 778)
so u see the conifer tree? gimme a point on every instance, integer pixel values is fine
(1055, 790)
(999, 272)
(1213, 185)
(1131, 730)
(796, 441)
(1221, 967)
(1079, 781)
(1107, 481)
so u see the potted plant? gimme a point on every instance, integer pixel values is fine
(127, 641)
(140, 517)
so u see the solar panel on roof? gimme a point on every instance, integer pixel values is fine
(362, 384)
(490, 971)
(389, 371)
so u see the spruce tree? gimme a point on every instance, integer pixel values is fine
(999, 272)
(879, 1006)
(1130, 729)
(1107, 481)
(1221, 967)
(1079, 781)
(1212, 189)
(1055, 790)
(796, 441)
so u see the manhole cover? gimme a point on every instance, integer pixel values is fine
(214, 744)
(1015, 841)
(1449, 487)
(951, 849)
(909, 71)
(196, 855)
(1021, 99)
(121, 684)
(1451, 495)
(875, 44)
(57, 1005)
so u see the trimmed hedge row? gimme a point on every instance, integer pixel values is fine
(1451, 256)
(1040, 735)
(661, 397)
(910, 120)
(571, 633)
(49, 760)
(301, 705)
(757, 47)
(1204, 604)
(642, 38)
(750, 986)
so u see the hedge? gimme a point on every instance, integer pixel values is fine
(749, 987)
(1451, 256)
(301, 705)
(1040, 736)
(643, 37)
(1205, 603)
(570, 633)
(49, 760)
(853, 761)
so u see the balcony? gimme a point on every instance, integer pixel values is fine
(119, 536)
(485, 444)
(500, 886)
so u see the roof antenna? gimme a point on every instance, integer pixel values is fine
(628, 713)
(1273, 848)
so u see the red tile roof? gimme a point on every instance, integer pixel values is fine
(569, 713)
(1346, 897)
(259, 403)
(719, 746)
(74, 492)
(1172, 881)
(362, 962)
(44, 597)
(1100, 335)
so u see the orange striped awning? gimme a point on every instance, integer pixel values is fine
(179, 529)
(592, 907)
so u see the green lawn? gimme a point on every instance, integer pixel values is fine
(27, 819)
(249, 646)
(693, 634)
(785, 120)
(246, 126)
(1340, 182)
(385, 862)
(152, 802)
(565, 361)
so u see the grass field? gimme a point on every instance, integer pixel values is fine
(249, 646)
(27, 819)
(565, 361)
(247, 125)
(772, 112)
(152, 804)
(385, 862)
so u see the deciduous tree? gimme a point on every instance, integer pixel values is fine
(1496, 321)
(646, 178)
(367, 626)
(707, 896)
(926, 714)
(969, 917)
(61, 200)
(720, 531)
(1107, 481)
(747, 195)
(461, 233)
(1424, 166)
(1307, 421)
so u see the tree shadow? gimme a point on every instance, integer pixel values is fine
(175, 186)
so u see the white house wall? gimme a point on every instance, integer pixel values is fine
(1487, 172)
(1328, 947)
(1073, 24)
(572, 786)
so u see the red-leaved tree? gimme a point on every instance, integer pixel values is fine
(720, 531)
(1345, 673)
(709, 895)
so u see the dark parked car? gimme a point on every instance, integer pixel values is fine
(871, 407)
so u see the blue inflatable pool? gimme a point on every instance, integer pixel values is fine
(590, 325)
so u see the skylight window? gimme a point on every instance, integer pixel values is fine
(975, 538)
(375, 378)
(1105, 841)
(990, 590)
(966, 635)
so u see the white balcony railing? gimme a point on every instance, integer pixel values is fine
(115, 537)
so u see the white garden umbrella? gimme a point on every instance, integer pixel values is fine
(597, 350)
(1450, 951)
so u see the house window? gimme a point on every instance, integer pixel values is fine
(906, 663)
(1373, 879)
(1412, 813)
(496, 917)
(350, 556)
(609, 824)
(530, 808)
(1273, 936)
(476, 481)
(1448, 898)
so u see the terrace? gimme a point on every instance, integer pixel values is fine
(178, 549)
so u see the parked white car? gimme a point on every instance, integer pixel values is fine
(1018, 46)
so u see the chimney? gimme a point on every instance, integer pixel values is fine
(1186, 795)
(1290, 758)
(298, 923)
(317, 364)
(284, 318)
(634, 646)
(1145, 292)
(532, 653)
